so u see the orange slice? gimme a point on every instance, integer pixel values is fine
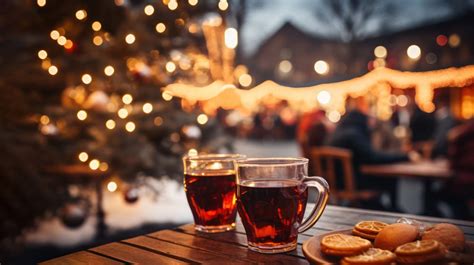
(370, 227)
(419, 247)
(371, 256)
(341, 242)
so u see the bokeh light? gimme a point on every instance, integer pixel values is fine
(321, 67)
(414, 52)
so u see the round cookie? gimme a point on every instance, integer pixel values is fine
(373, 256)
(344, 245)
(395, 235)
(447, 234)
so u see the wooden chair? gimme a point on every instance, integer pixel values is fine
(323, 161)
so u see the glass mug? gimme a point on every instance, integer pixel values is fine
(271, 201)
(209, 183)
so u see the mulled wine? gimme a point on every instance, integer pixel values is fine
(271, 210)
(211, 197)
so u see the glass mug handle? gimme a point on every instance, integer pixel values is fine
(323, 188)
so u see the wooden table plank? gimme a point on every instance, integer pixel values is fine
(131, 254)
(430, 169)
(82, 258)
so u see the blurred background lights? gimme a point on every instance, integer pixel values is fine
(44, 119)
(41, 3)
(158, 121)
(83, 156)
(81, 14)
(285, 66)
(96, 26)
(103, 166)
(68, 44)
(147, 108)
(380, 52)
(414, 52)
(173, 4)
(324, 97)
(86, 79)
(160, 27)
(231, 39)
(170, 67)
(127, 99)
(431, 58)
(149, 10)
(192, 2)
(402, 100)
(202, 119)
(245, 80)
(122, 113)
(112, 186)
(130, 38)
(54, 34)
(166, 96)
(223, 5)
(61, 40)
(97, 40)
(82, 115)
(109, 70)
(130, 126)
(192, 152)
(42, 54)
(94, 164)
(442, 40)
(321, 67)
(52, 70)
(110, 124)
(454, 40)
(334, 116)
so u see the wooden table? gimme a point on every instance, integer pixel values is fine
(184, 245)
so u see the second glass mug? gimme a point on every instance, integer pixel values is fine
(209, 183)
(271, 199)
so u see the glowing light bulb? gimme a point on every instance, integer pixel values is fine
(42, 54)
(86, 79)
(96, 26)
(324, 97)
(170, 67)
(166, 96)
(44, 119)
(130, 38)
(103, 166)
(158, 121)
(97, 40)
(127, 99)
(122, 113)
(173, 4)
(61, 40)
(321, 67)
(41, 3)
(202, 119)
(83, 156)
(285, 66)
(109, 70)
(414, 52)
(223, 5)
(160, 27)
(380, 52)
(147, 108)
(110, 124)
(231, 39)
(82, 115)
(54, 34)
(193, 2)
(130, 126)
(81, 14)
(112, 186)
(149, 10)
(52, 70)
(94, 164)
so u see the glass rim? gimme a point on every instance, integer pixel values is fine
(272, 161)
(214, 157)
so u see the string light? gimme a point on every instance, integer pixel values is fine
(454, 40)
(231, 39)
(44, 119)
(52, 70)
(42, 54)
(323, 97)
(103, 166)
(147, 108)
(61, 40)
(380, 52)
(41, 3)
(81, 14)
(149, 10)
(172, 5)
(166, 96)
(285, 66)
(110, 124)
(83, 156)
(334, 116)
(127, 99)
(96, 26)
(86, 79)
(82, 115)
(223, 5)
(245, 80)
(321, 67)
(130, 126)
(45, 64)
(414, 52)
(112, 186)
(193, 2)
(160, 27)
(122, 113)
(170, 67)
(130, 38)
(97, 40)
(109, 70)
(158, 121)
(54, 34)
(202, 119)
(69, 44)
(94, 164)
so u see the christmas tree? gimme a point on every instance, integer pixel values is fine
(81, 97)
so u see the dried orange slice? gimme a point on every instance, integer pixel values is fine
(419, 247)
(370, 227)
(371, 256)
(363, 235)
(345, 242)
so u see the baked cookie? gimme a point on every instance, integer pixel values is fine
(368, 229)
(420, 251)
(449, 235)
(394, 235)
(373, 256)
(344, 245)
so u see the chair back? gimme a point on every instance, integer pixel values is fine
(323, 161)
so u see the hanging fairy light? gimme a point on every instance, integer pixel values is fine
(112, 186)
(454, 40)
(192, 2)
(122, 113)
(321, 67)
(166, 96)
(170, 66)
(130, 126)
(158, 121)
(231, 39)
(83, 156)
(44, 119)
(223, 5)
(61, 40)
(94, 164)
(202, 119)
(127, 99)
(42, 54)
(414, 52)
(52, 70)
(41, 3)
(103, 166)
(109, 70)
(86, 79)
(96, 26)
(149, 10)
(160, 27)
(147, 108)
(130, 38)
(110, 124)
(172, 5)
(54, 34)
(82, 115)
(81, 14)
